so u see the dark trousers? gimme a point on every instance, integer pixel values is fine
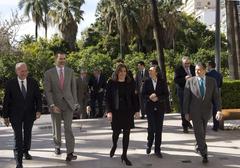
(215, 121)
(199, 126)
(22, 136)
(180, 94)
(97, 97)
(155, 124)
(125, 140)
(142, 102)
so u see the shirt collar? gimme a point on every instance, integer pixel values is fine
(58, 68)
(204, 77)
(20, 80)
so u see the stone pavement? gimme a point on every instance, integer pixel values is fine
(93, 142)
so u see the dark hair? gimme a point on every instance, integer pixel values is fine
(118, 69)
(141, 63)
(201, 64)
(120, 60)
(153, 62)
(212, 63)
(59, 52)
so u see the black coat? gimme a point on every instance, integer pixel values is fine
(15, 107)
(121, 119)
(95, 85)
(161, 93)
(179, 75)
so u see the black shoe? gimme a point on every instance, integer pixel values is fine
(205, 159)
(112, 152)
(57, 151)
(190, 125)
(27, 156)
(185, 130)
(19, 166)
(70, 157)
(215, 129)
(125, 159)
(148, 150)
(158, 154)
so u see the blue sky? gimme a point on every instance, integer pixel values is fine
(7, 6)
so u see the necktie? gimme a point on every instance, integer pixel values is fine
(61, 78)
(142, 74)
(23, 89)
(201, 86)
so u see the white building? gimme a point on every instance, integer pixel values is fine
(205, 12)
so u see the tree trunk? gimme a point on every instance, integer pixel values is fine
(237, 35)
(232, 58)
(36, 31)
(159, 44)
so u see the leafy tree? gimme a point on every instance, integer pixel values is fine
(67, 14)
(37, 9)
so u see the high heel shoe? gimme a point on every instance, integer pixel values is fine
(112, 152)
(125, 159)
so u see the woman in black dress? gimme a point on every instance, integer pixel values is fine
(121, 103)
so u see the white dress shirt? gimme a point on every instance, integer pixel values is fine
(24, 83)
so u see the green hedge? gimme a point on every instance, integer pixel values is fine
(230, 95)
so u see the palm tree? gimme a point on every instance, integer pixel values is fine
(232, 59)
(67, 14)
(35, 8)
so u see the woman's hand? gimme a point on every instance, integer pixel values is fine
(109, 116)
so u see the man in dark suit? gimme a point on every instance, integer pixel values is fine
(219, 79)
(141, 76)
(82, 94)
(97, 85)
(181, 74)
(199, 94)
(155, 94)
(21, 107)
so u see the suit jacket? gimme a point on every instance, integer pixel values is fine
(95, 85)
(54, 94)
(217, 76)
(160, 91)
(140, 80)
(82, 89)
(16, 107)
(179, 75)
(194, 104)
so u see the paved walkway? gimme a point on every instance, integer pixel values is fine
(93, 142)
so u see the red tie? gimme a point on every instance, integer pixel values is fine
(61, 78)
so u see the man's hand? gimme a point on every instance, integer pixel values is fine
(153, 97)
(38, 115)
(109, 116)
(55, 109)
(6, 121)
(137, 115)
(187, 77)
(187, 117)
(218, 116)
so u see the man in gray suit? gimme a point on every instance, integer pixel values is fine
(60, 90)
(199, 95)
(82, 94)
(141, 76)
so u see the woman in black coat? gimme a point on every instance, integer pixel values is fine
(155, 92)
(121, 103)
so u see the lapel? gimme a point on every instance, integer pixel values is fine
(206, 86)
(18, 87)
(151, 85)
(66, 77)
